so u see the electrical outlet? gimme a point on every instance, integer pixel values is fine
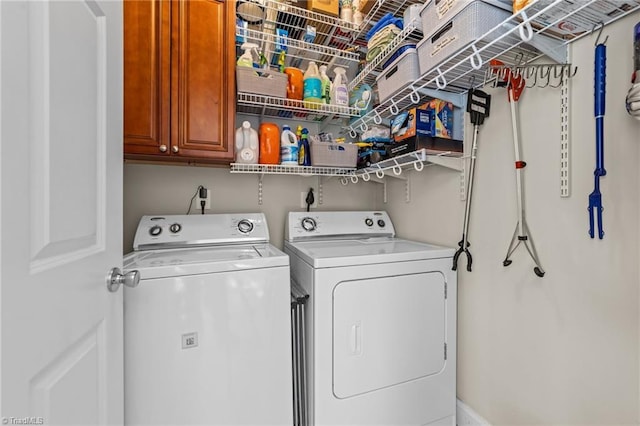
(207, 201)
(303, 200)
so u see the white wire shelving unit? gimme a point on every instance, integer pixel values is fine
(519, 40)
(278, 169)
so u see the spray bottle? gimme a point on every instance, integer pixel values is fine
(325, 84)
(339, 91)
(246, 59)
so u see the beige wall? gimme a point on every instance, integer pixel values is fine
(162, 189)
(562, 349)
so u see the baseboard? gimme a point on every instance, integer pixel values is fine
(465, 416)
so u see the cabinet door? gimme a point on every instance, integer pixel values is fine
(203, 83)
(147, 65)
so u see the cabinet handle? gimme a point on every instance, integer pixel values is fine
(163, 148)
(175, 148)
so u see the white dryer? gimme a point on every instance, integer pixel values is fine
(381, 321)
(208, 329)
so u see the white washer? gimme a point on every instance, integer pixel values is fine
(381, 321)
(208, 329)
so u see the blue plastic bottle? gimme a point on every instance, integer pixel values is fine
(304, 151)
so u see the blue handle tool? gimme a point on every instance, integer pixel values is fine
(595, 198)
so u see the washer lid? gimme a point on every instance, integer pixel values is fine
(203, 260)
(366, 251)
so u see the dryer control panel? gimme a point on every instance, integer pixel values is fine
(323, 225)
(171, 231)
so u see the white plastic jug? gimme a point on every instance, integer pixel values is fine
(288, 147)
(247, 145)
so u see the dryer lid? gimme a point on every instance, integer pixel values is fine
(365, 251)
(204, 260)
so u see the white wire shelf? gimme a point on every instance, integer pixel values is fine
(250, 103)
(381, 8)
(468, 67)
(300, 52)
(277, 169)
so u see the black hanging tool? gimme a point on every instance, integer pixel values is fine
(478, 106)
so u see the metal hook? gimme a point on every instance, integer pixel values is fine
(365, 176)
(556, 76)
(379, 172)
(519, 58)
(599, 33)
(525, 30)
(364, 126)
(441, 80)
(415, 96)
(472, 80)
(354, 178)
(376, 117)
(397, 169)
(575, 71)
(353, 133)
(542, 75)
(344, 181)
(418, 164)
(393, 108)
(532, 72)
(475, 65)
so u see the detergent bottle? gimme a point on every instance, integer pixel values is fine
(288, 147)
(304, 151)
(312, 86)
(325, 85)
(246, 144)
(246, 59)
(339, 91)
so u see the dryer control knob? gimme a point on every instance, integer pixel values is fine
(245, 226)
(308, 224)
(368, 221)
(175, 228)
(381, 223)
(155, 230)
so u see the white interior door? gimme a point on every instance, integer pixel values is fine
(61, 211)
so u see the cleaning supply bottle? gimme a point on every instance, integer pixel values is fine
(246, 59)
(304, 151)
(339, 91)
(269, 135)
(325, 85)
(288, 147)
(312, 86)
(247, 147)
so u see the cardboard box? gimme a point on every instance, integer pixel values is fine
(328, 7)
(434, 118)
(433, 145)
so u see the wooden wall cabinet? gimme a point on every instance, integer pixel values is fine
(179, 80)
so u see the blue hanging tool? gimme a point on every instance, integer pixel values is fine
(600, 77)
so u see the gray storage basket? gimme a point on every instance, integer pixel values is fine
(403, 71)
(436, 13)
(330, 154)
(467, 27)
(267, 83)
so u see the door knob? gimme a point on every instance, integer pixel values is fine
(175, 148)
(163, 148)
(116, 278)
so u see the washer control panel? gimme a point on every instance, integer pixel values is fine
(171, 231)
(307, 225)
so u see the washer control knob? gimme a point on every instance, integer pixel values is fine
(368, 221)
(381, 223)
(175, 228)
(245, 226)
(155, 230)
(309, 224)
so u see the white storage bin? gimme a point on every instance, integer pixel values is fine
(437, 13)
(398, 74)
(468, 26)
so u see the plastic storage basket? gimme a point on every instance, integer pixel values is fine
(467, 27)
(267, 83)
(436, 13)
(398, 74)
(330, 154)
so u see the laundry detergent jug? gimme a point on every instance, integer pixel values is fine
(269, 135)
(247, 146)
(288, 147)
